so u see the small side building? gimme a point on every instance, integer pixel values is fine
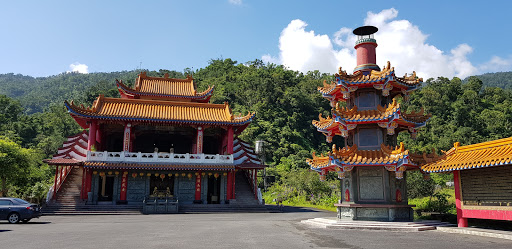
(483, 179)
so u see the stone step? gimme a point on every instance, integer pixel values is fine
(333, 223)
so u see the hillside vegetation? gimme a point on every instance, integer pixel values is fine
(33, 117)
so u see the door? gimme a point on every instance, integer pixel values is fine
(106, 188)
(213, 190)
(5, 206)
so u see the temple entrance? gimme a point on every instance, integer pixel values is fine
(106, 188)
(213, 190)
(161, 186)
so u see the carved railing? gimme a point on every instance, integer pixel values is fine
(158, 157)
(61, 174)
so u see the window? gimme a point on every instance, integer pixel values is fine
(366, 100)
(369, 137)
(5, 202)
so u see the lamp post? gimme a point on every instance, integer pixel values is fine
(260, 150)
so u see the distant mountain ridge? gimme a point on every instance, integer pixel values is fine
(499, 79)
(37, 93)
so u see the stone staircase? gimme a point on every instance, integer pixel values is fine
(68, 200)
(245, 201)
(338, 224)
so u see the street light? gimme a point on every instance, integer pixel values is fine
(260, 150)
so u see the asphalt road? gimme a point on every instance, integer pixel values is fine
(232, 230)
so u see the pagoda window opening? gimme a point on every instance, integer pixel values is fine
(161, 185)
(366, 100)
(369, 138)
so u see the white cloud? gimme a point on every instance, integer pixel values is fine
(235, 2)
(399, 41)
(497, 64)
(78, 68)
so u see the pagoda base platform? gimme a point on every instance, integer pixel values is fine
(375, 212)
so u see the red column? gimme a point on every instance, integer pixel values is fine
(198, 186)
(55, 182)
(462, 222)
(124, 185)
(82, 189)
(229, 190)
(127, 137)
(99, 138)
(230, 140)
(92, 135)
(233, 193)
(88, 182)
(199, 140)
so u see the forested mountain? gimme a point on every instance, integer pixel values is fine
(33, 116)
(500, 79)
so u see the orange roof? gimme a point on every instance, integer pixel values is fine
(158, 111)
(146, 86)
(381, 114)
(350, 82)
(353, 156)
(481, 155)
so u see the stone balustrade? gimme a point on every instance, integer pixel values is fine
(158, 157)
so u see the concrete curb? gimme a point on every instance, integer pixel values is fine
(478, 231)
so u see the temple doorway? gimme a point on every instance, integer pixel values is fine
(106, 188)
(161, 185)
(213, 190)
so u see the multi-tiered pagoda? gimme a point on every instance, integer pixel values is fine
(162, 139)
(366, 113)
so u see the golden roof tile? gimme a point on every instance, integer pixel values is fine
(170, 87)
(487, 154)
(353, 156)
(159, 111)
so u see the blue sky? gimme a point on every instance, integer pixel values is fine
(435, 38)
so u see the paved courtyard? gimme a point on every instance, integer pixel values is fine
(232, 230)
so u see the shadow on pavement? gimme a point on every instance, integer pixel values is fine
(290, 209)
(5, 231)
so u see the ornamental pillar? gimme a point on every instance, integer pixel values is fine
(127, 137)
(230, 140)
(199, 140)
(233, 189)
(198, 188)
(88, 182)
(92, 135)
(99, 138)
(229, 190)
(124, 186)
(461, 222)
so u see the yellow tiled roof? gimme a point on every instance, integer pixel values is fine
(159, 111)
(164, 86)
(377, 115)
(353, 156)
(375, 77)
(487, 154)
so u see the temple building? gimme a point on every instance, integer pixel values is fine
(482, 176)
(160, 139)
(366, 113)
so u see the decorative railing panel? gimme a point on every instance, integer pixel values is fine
(158, 157)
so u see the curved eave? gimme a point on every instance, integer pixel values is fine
(77, 114)
(202, 96)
